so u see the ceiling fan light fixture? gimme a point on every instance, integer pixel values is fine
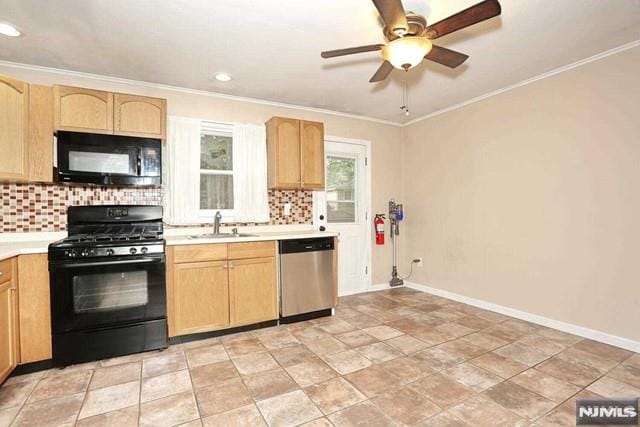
(406, 52)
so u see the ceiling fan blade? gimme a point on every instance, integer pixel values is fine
(477, 13)
(393, 15)
(351, 50)
(383, 72)
(445, 56)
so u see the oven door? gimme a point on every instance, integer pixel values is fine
(102, 292)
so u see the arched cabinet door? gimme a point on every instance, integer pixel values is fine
(14, 128)
(140, 116)
(83, 110)
(312, 154)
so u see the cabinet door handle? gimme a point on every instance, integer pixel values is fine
(225, 266)
(1, 274)
(230, 265)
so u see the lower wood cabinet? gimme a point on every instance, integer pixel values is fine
(200, 297)
(252, 294)
(8, 319)
(227, 286)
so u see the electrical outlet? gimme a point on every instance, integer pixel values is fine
(417, 261)
(287, 209)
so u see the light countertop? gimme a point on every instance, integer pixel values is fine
(255, 237)
(37, 243)
(11, 249)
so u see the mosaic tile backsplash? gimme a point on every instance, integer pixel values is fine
(43, 207)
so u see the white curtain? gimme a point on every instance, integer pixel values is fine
(181, 171)
(251, 202)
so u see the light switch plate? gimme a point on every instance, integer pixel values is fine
(287, 209)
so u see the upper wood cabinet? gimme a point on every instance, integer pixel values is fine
(26, 131)
(283, 153)
(140, 116)
(95, 111)
(40, 133)
(83, 110)
(14, 129)
(8, 319)
(312, 154)
(295, 153)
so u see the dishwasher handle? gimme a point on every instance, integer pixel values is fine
(306, 245)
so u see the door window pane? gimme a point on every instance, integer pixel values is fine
(216, 191)
(109, 291)
(341, 197)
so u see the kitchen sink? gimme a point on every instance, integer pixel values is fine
(220, 235)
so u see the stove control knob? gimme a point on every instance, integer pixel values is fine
(71, 253)
(144, 250)
(109, 251)
(133, 251)
(85, 252)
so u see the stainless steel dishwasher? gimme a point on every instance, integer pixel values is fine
(308, 278)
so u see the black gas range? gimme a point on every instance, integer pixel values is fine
(108, 286)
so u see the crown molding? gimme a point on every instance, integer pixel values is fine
(219, 95)
(180, 89)
(545, 75)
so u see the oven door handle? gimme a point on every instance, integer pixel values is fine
(120, 262)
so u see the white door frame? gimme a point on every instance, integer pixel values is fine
(367, 197)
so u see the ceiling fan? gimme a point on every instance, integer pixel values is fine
(409, 37)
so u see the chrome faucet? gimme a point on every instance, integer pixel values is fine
(216, 223)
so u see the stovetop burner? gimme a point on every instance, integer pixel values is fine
(115, 237)
(95, 231)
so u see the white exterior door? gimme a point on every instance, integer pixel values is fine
(344, 207)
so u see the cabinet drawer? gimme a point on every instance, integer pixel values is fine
(252, 250)
(6, 270)
(195, 253)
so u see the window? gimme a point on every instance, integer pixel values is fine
(341, 201)
(216, 170)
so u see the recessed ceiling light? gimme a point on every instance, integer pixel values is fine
(9, 30)
(223, 77)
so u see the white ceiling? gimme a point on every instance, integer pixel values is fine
(272, 47)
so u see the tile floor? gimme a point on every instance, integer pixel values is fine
(397, 357)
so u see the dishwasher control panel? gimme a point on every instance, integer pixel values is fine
(306, 245)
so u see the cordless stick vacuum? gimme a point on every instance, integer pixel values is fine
(395, 216)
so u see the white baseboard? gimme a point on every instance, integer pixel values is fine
(372, 288)
(533, 318)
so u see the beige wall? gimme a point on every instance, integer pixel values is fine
(385, 139)
(531, 198)
(528, 199)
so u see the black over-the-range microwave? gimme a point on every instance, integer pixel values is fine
(88, 158)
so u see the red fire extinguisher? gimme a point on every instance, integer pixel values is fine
(378, 224)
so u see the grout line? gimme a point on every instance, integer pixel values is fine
(24, 402)
(84, 398)
(140, 392)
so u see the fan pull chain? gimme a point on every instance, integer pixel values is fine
(405, 96)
